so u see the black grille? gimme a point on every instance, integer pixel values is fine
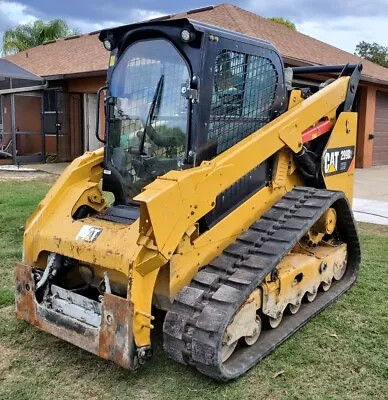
(243, 95)
(241, 190)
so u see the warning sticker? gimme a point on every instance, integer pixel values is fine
(88, 233)
(337, 160)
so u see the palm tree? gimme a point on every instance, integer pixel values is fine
(25, 36)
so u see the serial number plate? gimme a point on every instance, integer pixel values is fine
(88, 233)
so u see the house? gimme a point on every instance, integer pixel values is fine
(74, 68)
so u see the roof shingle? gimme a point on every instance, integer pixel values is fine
(86, 53)
(64, 57)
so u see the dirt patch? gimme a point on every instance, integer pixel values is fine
(7, 355)
(24, 176)
(380, 230)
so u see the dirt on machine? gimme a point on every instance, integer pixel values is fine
(221, 195)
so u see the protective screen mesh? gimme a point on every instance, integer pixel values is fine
(243, 95)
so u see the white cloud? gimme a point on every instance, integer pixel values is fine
(350, 23)
(347, 32)
(15, 12)
(135, 15)
(86, 26)
(138, 15)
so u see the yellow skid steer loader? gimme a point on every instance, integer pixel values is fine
(232, 188)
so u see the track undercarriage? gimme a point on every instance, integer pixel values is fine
(266, 285)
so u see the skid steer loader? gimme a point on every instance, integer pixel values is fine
(232, 189)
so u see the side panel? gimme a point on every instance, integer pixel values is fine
(338, 159)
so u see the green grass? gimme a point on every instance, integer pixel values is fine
(17, 200)
(341, 354)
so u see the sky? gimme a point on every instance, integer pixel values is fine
(340, 23)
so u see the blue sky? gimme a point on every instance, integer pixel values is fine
(341, 23)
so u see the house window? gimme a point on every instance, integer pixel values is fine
(244, 91)
(50, 100)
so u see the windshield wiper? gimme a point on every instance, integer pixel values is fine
(151, 113)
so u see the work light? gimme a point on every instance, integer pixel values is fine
(186, 35)
(107, 45)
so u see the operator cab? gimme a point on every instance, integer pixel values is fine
(180, 92)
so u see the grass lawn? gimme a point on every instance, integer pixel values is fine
(341, 354)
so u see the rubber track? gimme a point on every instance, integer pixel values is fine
(194, 327)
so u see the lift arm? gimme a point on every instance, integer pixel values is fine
(186, 196)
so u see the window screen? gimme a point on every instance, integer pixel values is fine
(244, 90)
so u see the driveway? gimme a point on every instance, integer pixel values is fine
(372, 183)
(370, 202)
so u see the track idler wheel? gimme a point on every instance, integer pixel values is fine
(250, 340)
(245, 326)
(294, 308)
(311, 296)
(275, 322)
(326, 285)
(227, 350)
(339, 271)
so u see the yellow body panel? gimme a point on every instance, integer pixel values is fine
(51, 227)
(295, 98)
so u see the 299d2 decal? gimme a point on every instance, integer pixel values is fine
(337, 160)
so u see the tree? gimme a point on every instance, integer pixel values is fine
(25, 36)
(284, 21)
(373, 52)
